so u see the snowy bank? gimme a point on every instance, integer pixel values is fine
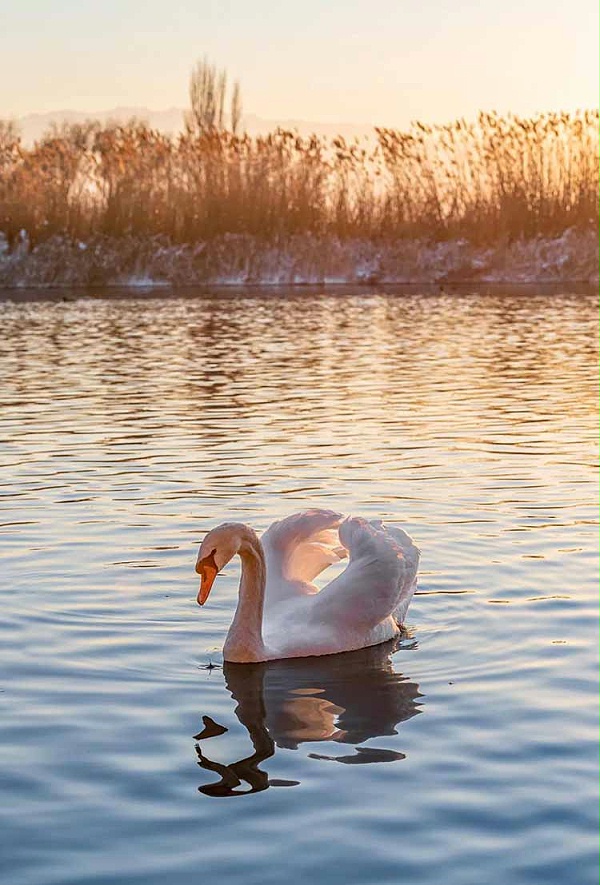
(244, 260)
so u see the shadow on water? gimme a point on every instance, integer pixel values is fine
(347, 698)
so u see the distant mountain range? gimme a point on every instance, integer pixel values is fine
(170, 120)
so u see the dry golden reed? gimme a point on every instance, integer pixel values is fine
(498, 178)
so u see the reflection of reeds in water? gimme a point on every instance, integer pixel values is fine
(499, 177)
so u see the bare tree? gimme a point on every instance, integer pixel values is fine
(208, 98)
(221, 90)
(236, 107)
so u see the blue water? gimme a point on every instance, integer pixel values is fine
(130, 425)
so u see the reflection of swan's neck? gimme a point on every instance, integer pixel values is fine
(244, 641)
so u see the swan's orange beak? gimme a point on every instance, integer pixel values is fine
(207, 569)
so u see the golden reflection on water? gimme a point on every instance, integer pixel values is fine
(437, 408)
(320, 361)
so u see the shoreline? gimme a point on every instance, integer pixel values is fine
(70, 294)
(239, 261)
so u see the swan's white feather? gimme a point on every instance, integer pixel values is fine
(363, 606)
(297, 549)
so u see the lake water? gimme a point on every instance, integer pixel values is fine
(131, 424)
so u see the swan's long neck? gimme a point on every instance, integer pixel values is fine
(244, 641)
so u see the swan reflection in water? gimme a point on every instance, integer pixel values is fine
(346, 698)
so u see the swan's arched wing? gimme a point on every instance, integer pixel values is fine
(298, 548)
(378, 581)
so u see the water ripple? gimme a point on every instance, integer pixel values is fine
(131, 425)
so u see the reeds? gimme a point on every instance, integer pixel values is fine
(498, 178)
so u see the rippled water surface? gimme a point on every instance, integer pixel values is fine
(130, 425)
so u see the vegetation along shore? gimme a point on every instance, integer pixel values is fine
(498, 198)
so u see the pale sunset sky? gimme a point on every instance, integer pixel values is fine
(360, 61)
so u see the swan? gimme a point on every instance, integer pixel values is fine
(281, 614)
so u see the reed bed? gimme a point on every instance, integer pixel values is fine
(495, 179)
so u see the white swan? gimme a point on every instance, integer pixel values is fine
(281, 614)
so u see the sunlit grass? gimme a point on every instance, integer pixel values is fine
(498, 178)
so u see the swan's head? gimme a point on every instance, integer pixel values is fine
(218, 547)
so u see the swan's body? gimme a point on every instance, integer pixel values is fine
(280, 612)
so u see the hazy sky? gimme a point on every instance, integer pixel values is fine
(363, 61)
